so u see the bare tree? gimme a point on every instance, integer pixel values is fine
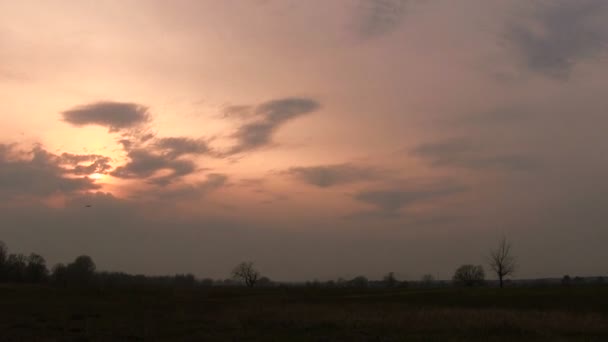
(3, 252)
(502, 261)
(390, 280)
(246, 273)
(81, 271)
(469, 275)
(3, 259)
(427, 280)
(36, 270)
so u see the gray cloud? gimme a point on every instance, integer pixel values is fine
(145, 164)
(37, 173)
(389, 202)
(466, 154)
(149, 156)
(237, 112)
(325, 176)
(213, 182)
(178, 146)
(114, 115)
(560, 35)
(97, 163)
(377, 17)
(269, 116)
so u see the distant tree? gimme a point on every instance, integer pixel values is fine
(427, 280)
(390, 280)
(566, 280)
(15, 267)
(469, 275)
(3, 259)
(59, 274)
(359, 281)
(330, 284)
(3, 252)
(36, 270)
(502, 261)
(206, 282)
(81, 271)
(264, 282)
(246, 273)
(184, 280)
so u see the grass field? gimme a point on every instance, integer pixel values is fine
(30, 313)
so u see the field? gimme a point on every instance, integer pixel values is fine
(40, 313)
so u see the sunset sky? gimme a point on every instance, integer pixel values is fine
(319, 139)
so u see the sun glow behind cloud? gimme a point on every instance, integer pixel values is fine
(401, 137)
(97, 176)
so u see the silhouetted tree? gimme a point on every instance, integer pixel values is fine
(207, 282)
(264, 282)
(469, 275)
(15, 267)
(502, 261)
(81, 271)
(566, 280)
(184, 280)
(359, 281)
(389, 280)
(427, 280)
(36, 270)
(59, 274)
(3, 257)
(246, 273)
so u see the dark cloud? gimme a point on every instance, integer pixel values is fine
(389, 202)
(561, 34)
(213, 182)
(97, 163)
(237, 112)
(37, 173)
(268, 117)
(178, 146)
(145, 164)
(325, 176)
(466, 154)
(377, 17)
(114, 115)
(149, 157)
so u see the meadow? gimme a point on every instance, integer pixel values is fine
(47, 313)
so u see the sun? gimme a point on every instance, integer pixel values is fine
(96, 176)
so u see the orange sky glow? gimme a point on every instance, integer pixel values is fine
(383, 135)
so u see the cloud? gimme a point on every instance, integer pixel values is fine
(268, 117)
(145, 165)
(149, 157)
(178, 146)
(213, 182)
(560, 35)
(38, 173)
(377, 17)
(114, 115)
(464, 153)
(389, 202)
(98, 163)
(324, 176)
(237, 112)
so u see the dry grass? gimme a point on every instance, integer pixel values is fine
(47, 314)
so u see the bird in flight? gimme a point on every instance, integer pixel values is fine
(88, 205)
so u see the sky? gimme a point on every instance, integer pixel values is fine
(318, 139)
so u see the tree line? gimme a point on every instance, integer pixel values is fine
(19, 268)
